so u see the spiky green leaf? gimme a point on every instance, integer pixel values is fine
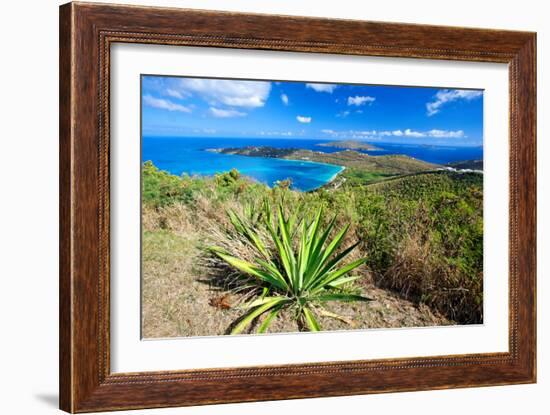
(256, 312)
(341, 297)
(311, 322)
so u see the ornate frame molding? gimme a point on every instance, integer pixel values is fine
(86, 33)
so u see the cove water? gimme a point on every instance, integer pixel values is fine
(179, 155)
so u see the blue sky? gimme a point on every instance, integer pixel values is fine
(201, 107)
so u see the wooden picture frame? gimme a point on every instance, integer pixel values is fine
(86, 33)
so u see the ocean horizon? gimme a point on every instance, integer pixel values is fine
(188, 155)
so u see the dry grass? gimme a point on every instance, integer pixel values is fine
(417, 274)
(184, 295)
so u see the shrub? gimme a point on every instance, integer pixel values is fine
(228, 178)
(299, 268)
(161, 188)
(424, 236)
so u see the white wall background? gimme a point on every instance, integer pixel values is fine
(29, 192)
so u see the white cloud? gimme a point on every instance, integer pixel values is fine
(248, 94)
(446, 134)
(221, 113)
(174, 94)
(411, 133)
(279, 133)
(284, 98)
(322, 87)
(444, 96)
(395, 133)
(350, 133)
(360, 100)
(163, 104)
(302, 119)
(343, 114)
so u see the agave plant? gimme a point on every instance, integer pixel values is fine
(298, 267)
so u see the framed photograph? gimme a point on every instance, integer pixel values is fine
(260, 207)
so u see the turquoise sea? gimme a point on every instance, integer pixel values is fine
(179, 155)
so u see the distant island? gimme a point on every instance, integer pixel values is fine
(350, 145)
(255, 151)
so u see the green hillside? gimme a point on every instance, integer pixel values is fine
(422, 233)
(391, 164)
